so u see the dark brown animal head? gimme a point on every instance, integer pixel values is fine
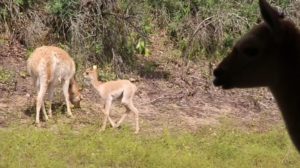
(255, 60)
(268, 55)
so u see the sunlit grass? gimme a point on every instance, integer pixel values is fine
(222, 147)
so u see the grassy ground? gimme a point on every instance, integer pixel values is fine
(219, 147)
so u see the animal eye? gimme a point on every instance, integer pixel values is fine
(251, 51)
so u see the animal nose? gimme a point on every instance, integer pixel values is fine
(218, 72)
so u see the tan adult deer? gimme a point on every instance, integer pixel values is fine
(112, 90)
(49, 66)
(268, 56)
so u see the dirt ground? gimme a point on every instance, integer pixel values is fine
(170, 96)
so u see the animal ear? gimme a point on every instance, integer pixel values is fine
(95, 67)
(270, 15)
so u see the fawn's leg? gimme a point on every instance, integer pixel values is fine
(127, 101)
(136, 113)
(106, 113)
(123, 116)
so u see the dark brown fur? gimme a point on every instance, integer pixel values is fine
(268, 56)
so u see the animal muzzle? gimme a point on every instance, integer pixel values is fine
(221, 79)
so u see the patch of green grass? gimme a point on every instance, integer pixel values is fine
(222, 147)
(6, 76)
(3, 41)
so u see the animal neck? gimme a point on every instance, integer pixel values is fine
(73, 86)
(286, 89)
(96, 83)
(286, 93)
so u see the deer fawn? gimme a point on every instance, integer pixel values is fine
(48, 66)
(268, 56)
(110, 91)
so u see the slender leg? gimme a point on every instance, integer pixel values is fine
(106, 113)
(127, 101)
(136, 113)
(50, 92)
(67, 97)
(123, 116)
(40, 102)
(112, 123)
(44, 111)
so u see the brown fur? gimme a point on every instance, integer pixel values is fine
(268, 56)
(49, 66)
(112, 90)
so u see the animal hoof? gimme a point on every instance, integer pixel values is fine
(70, 116)
(46, 118)
(38, 125)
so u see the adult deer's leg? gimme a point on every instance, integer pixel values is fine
(67, 97)
(40, 102)
(44, 110)
(36, 82)
(50, 92)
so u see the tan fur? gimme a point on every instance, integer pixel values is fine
(49, 66)
(112, 90)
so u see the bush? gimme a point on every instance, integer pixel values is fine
(217, 23)
(93, 28)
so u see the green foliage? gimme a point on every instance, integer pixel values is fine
(3, 41)
(229, 20)
(176, 10)
(9, 8)
(63, 8)
(24, 3)
(142, 48)
(19, 2)
(219, 147)
(107, 73)
(94, 28)
(98, 48)
(148, 26)
(3, 13)
(29, 51)
(6, 77)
